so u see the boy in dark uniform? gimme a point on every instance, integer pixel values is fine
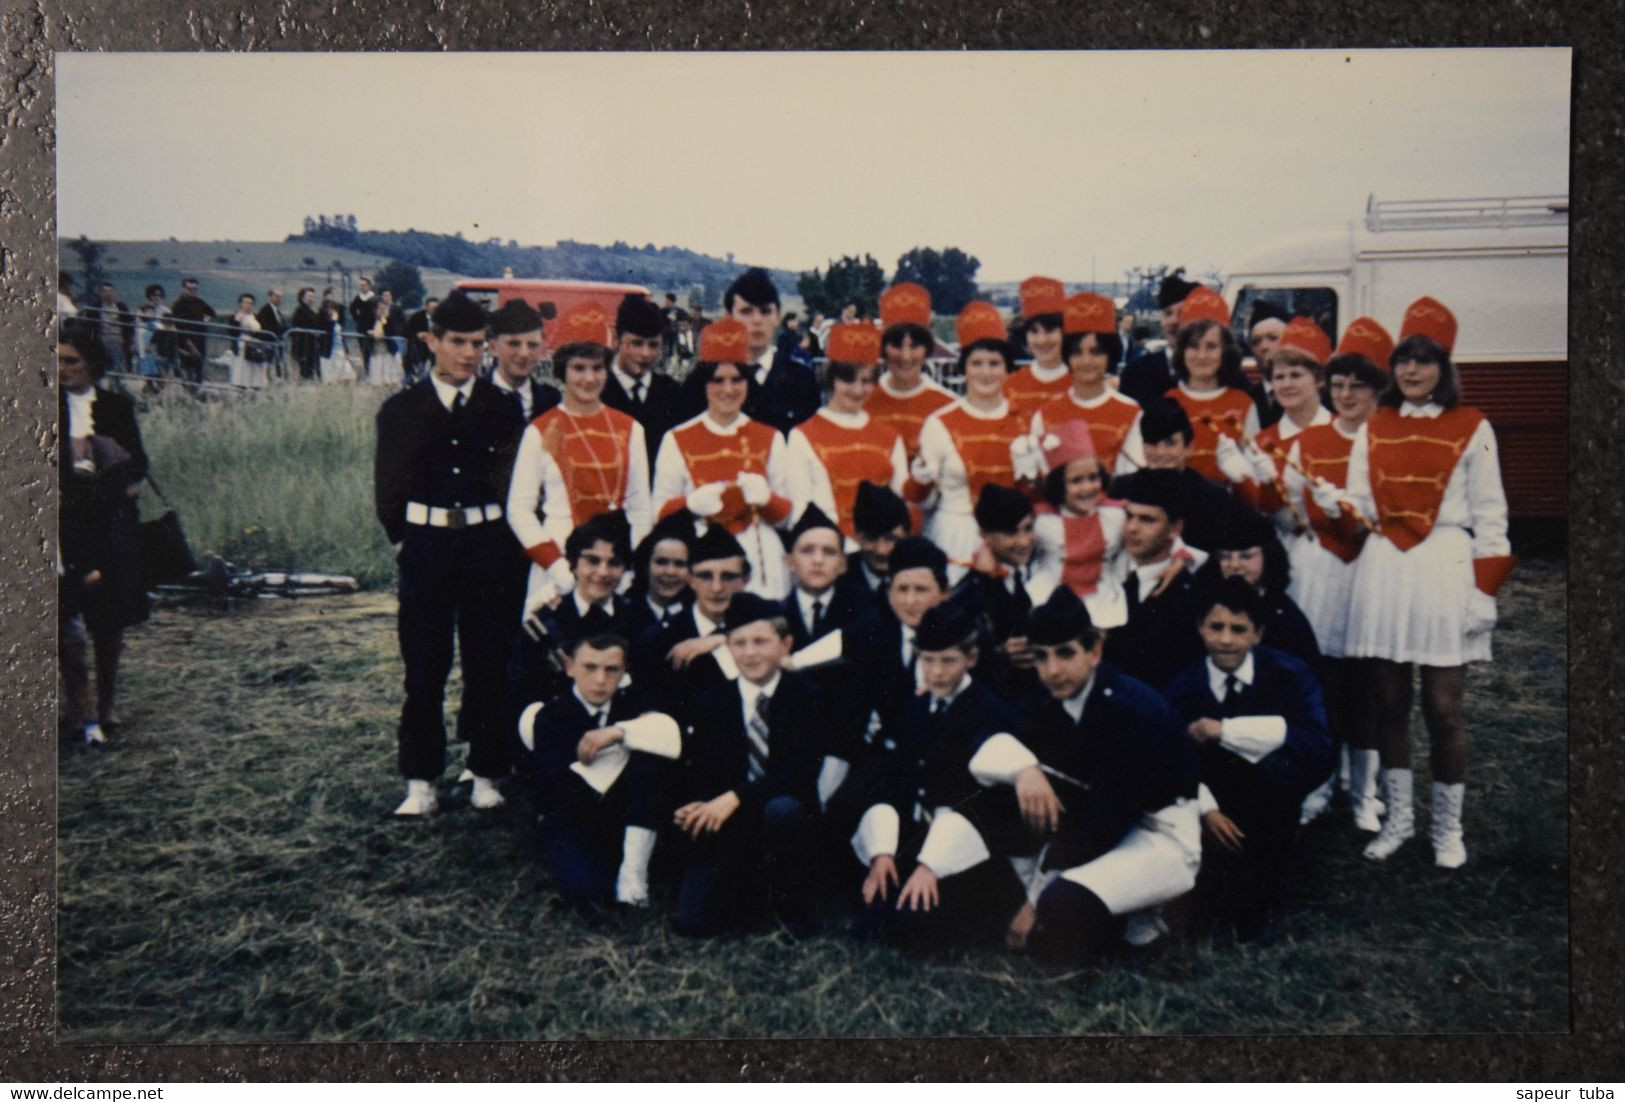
(599, 761)
(676, 663)
(753, 752)
(444, 453)
(517, 344)
(1091, 794)
(1166, 434)
(1257, 717)
(879, 519)
(650, 397)
(995, 588)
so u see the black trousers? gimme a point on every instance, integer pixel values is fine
(453, 596)
(1247, 886)
(582, 830)
(974, 906)
(757, 857)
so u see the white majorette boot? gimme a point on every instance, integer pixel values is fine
(632, 882)
(420, 799)
(1316, 803)
(1363, 766)
(1449, 851)
(1400, 826)
(486, 795)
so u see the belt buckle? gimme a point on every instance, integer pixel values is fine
(456, 518)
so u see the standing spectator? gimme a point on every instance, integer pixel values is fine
(686, 342)
(364, 316)
(161, 334)
(388, 327)
(192, 317)
(308, 335)
(115, 326)
(274, 323)
(102, 587)
(789, 342)
(335, 366)
(415, 360)
(1131, 336)
(251, 356)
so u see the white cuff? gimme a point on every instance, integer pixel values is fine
(999, 759)
(1253, 737)
(877, 834)
(817, 653)
(1205, 800)
(830, 776)
(652, 733)
(952, 845)
(605, 769)
(725, 659)
(527, 725)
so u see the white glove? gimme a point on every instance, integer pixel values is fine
(1026, 458)
(544, 596)
(922, 471)
(755, 488)
(1481, 613)
(1264, 470)
(560, 577)
(1327, 497)
(706, 501)
(1234, 465)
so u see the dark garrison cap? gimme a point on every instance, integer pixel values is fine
(457, 313)
(1001, 509)
(748, 608)
(516, 316)
(944, 626)
(878, 510)
(1059, 620)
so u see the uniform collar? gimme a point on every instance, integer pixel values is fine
(730, 430)
(856, 420)
(1048, 374)
(448, 393)
(750, 690)
(1426, 409)
(583, 606)
(1216, 677)
(958, 690)
(1075, 703)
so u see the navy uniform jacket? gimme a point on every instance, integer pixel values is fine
(1129, 753)
(789, 396)
(421, 456)
(558, 729)
(536, 667)
(659, 412)
(542, 399)
(1148, 377)
(674, 691)
(1160, 638)
(716, 748)
(851, 611)
(1282, 686)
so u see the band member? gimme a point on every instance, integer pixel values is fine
(576, 460)
(518, 347)
(1297, 371)
(1043, 302)
(1212, 389)
(1148, 377)
(783, 392)
(879, 519)
(1090, 345)
(1077, 532)
(842, 445)
(1157, 573)
(678, 662)
(905, 394)
(726, 468)
(635, 387)
(442, 464)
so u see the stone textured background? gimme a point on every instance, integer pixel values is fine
(33, 31)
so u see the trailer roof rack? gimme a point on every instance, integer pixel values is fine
(1442, 214)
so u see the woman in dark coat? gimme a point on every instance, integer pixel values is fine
(309, 335)
(102, 587)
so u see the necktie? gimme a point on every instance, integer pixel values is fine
(457, 404)
(1131, 589)
(1232, 694)
(637, 391)
(817, 616)
(758, 730)
(602, 718)
(908, 650)
(939, 705)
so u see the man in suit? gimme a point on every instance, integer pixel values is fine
(599, 761)
(918, 787)
(309, 335)
(517, 344)
(783, 393)
(191, 316)
(753, 748)
(1158, 574)
(879, 519)
(273, 321)
(416, 356)
(441, 471)
(1152, 375)
(649, 397)
(115, 326)
(678, 662)
(364, 315)
(1091, 796)
(1258, 720)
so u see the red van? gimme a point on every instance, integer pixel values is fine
(552, 297)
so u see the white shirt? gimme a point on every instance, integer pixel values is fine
(599, 712)
(908, 644)
(749, 693)
(628, 383)
(523, 390)
(448, 393)
(938, 701)
(706, 625)
(807, 600)
(1075, 703)
(1151, 573)
(584, 606)
(1250, 737)
(764, 366)
(79, 413)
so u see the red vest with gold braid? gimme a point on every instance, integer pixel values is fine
(713, 458)
(1084, 552)
(1266, 497)
(851, 456)
(1323, 452)
(1109, 424)
(1229, 409)
(592, 455)
(983, 445)
(906, 415)
(1411, 460)
(1026, 393)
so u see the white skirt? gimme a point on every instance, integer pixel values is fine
(337, 368)
(1322, 585)
(1410, 606)
(958, 536)
(384, 368)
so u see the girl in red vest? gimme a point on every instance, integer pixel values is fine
(1211, 387)
(1077, 530)
(1043, 302)
(726, 468)
(905, 395)
(1426, 468)
(977, 440)
(1090, 346)
(1323, 557)
(841, 445)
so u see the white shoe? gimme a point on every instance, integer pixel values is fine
(1144, 927)
(1400, 826)
(94, 736)
(1363, 767)
(420, 799)
(486, 795)
(632, 881)
(1316, 803)
(1449, 850)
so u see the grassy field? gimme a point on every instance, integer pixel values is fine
(227, 872)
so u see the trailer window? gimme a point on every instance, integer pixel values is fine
(1316, 303)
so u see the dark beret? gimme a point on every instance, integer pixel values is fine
(812, 518)
(1061, 619)
(516, 316)
(916, 552)
(640, 317)
(457, 313)
(1001, 509)
(944, 626)
(878, 510)
(716, 543)
(748, 608)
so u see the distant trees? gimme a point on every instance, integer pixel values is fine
(848, 279)
(403, 280)
(90, 255)
(950, 276)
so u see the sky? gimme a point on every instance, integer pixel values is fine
(1075, 165)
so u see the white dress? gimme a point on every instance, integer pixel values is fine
(336, 367)
(245, 372)
(384, 367)
(1410, 606)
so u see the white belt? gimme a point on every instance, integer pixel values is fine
(436, 517)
